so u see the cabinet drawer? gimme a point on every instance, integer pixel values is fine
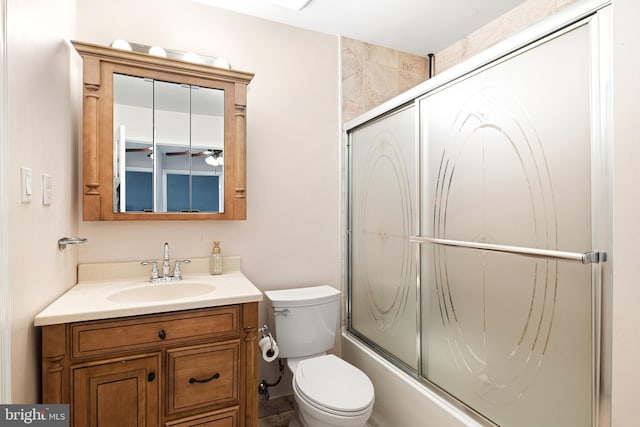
(226, 418)
(104, 337)
(204, 375)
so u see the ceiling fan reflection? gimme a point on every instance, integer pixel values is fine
(212, 157)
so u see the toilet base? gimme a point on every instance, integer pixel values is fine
(294, 422)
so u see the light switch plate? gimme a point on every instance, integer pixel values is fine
(47, 189)
(26, 184)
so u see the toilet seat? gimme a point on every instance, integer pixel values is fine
(332, 385)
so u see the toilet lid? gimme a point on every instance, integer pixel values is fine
(332, 383)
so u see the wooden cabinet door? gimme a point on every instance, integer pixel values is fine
(119, 393)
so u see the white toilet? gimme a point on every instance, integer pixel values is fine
(328, 391)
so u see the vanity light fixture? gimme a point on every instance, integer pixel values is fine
(297, 5)
(195, 58)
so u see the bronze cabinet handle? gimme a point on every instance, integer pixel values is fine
(206, 380)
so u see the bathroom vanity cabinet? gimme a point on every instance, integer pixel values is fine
(184, 368)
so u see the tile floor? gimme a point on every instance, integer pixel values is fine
(275, 412)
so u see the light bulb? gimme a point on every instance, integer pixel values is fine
(157, 51)
(120, 44)
(221, 63)
(191, 57)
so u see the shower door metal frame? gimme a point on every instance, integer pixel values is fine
(597, 15)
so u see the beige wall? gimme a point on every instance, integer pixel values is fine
(43, 106)
(626, 209)
(291, 235)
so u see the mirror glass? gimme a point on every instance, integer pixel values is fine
(168, 146)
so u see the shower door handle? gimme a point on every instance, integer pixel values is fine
(592, 257)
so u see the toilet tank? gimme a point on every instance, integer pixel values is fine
(304, 320)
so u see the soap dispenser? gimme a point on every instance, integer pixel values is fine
(215, 264)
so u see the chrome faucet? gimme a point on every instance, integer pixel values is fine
(166, 268)
(166, 262)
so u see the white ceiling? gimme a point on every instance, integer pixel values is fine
(416, 26)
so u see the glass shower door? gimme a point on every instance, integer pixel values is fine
(511, 335)
(383, 267)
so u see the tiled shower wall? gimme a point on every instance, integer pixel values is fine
(499, 29)
(373, 74)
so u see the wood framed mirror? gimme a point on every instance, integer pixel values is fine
(162, 139)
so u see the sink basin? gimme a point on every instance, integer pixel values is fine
(150, 292)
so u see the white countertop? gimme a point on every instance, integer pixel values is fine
(89, 299)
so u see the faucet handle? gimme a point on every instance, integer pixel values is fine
(177, 271)
(154, 268)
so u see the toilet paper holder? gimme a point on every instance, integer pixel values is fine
(264, 333)
(263, 387)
